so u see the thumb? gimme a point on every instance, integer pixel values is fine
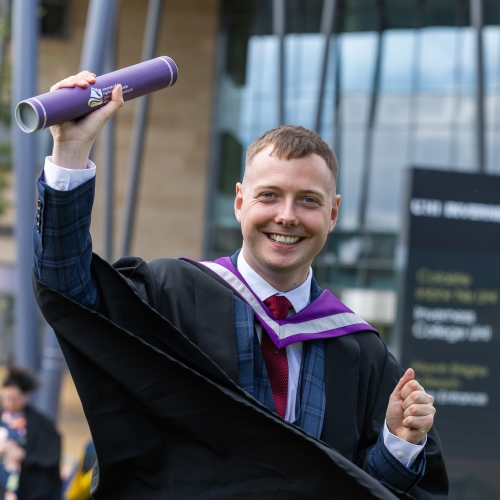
(408, 375)
(114, 104)
(117, 94)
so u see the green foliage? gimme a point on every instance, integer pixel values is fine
(5, 166)
(5, 102)
(4, 184)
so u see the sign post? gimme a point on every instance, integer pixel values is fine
(449, 318)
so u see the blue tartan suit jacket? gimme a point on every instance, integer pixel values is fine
(62, 254)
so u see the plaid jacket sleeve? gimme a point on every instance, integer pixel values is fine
(381, 465)
(62, 246)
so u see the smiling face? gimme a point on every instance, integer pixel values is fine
(286, 209)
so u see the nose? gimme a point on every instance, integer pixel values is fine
(287, 214)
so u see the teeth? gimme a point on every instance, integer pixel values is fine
(287, 240)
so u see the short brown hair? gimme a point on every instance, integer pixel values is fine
(293, 141)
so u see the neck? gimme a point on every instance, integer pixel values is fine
(283, 280)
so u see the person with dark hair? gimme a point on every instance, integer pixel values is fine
(30, 449)
(238, 378)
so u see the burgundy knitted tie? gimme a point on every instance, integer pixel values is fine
(276, 359)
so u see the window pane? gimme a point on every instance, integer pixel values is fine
(492, 108)
(351, 161)
(466, 109)
(436, 62)
(466, 65)
(432, 147)
(398, 49)
(357, 58)
(303, 62)
(354, 109)
(259, 96)
(390, 156)
(393, 109)
(435, 109)
(463, 151)
(491, 44)
(493, 151)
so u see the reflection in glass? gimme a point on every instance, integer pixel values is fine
(462, 150)
(357, 56)
(491, 43)
(393, 110)
(432, 147)
(349, 186)
(436, 61)
(390, 154)
(435, 109)
(354, 109)
(398, 48)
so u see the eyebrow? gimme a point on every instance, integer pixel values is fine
(278, 188)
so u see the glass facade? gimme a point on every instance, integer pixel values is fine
(399, 91)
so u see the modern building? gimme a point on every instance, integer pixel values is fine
(389, 84)
(396, 88)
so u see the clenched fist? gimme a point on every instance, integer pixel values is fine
(410, 413)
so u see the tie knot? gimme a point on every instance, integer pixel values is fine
(279, 306)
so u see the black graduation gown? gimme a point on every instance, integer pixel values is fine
(167, 417)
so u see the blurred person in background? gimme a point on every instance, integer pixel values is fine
(31, 446)
(77, 486)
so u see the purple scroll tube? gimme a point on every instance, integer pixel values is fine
(37, 113)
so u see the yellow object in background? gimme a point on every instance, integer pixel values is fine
(78, 485)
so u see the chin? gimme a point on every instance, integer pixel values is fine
(283, 263)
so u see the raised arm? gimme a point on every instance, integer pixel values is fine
(62, 246)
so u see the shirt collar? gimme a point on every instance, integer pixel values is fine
(300, 297)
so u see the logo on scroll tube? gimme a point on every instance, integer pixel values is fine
(96, 98)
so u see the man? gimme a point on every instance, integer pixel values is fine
(261, 319)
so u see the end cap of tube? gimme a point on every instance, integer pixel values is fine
(27, 117)
(173, 68)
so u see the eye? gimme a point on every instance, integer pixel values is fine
(309, 199)
(268, 195)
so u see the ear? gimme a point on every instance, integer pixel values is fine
(335, 212)
(238, 201)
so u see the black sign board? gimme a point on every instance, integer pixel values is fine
(450, 317)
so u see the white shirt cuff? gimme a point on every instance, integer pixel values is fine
(400, 449)
(65, 179)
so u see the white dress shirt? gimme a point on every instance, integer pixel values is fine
(65, 179)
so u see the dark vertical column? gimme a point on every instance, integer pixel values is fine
(24, 85)
(327, 27)
(139, 128)
(476, 11)
(367, 162)
(52, 367)
(98, 54)
(100, 22)
(279, 31)
(109, 152)
(214, 158)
